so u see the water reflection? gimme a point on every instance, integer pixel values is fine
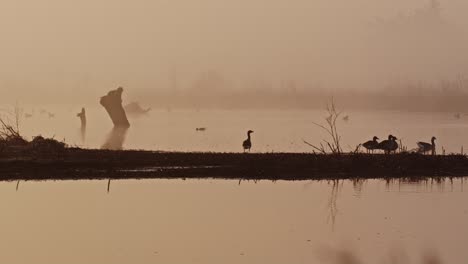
(115, 138)
(438, 184)
(82, 133)
(332, 202)
(174, 131)
(358, 185)
(394, 256)
(220, 221)
(403, 185)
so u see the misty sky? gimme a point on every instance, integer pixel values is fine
(58, 46)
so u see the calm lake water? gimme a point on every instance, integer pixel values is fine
(220, 221)
(275, 131)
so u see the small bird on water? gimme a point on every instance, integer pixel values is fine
(247, 144)
(371, 144)
(425, 147)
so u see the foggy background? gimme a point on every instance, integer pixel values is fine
(197, 53)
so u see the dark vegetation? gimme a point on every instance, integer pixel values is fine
(102, 164)
(13, 145)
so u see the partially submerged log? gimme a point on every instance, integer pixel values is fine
(112, 102)
(82, 116)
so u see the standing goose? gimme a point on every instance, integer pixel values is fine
(394, 145)
(371, 144)
(247, 144)
(388, 145)
(425, 147)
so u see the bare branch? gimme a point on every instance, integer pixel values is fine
(331, 128)
(316, 148)
(321, 126)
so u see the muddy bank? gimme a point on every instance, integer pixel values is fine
(104, 164)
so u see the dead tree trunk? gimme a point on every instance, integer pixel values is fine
(112, 102)
(82, 116)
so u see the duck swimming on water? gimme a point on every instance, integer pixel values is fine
(371, 144)
(425, 147)
(247, 144)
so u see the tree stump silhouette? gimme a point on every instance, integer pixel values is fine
(112, 102)
(82, 116)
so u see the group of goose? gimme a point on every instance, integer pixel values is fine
(390, 145)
